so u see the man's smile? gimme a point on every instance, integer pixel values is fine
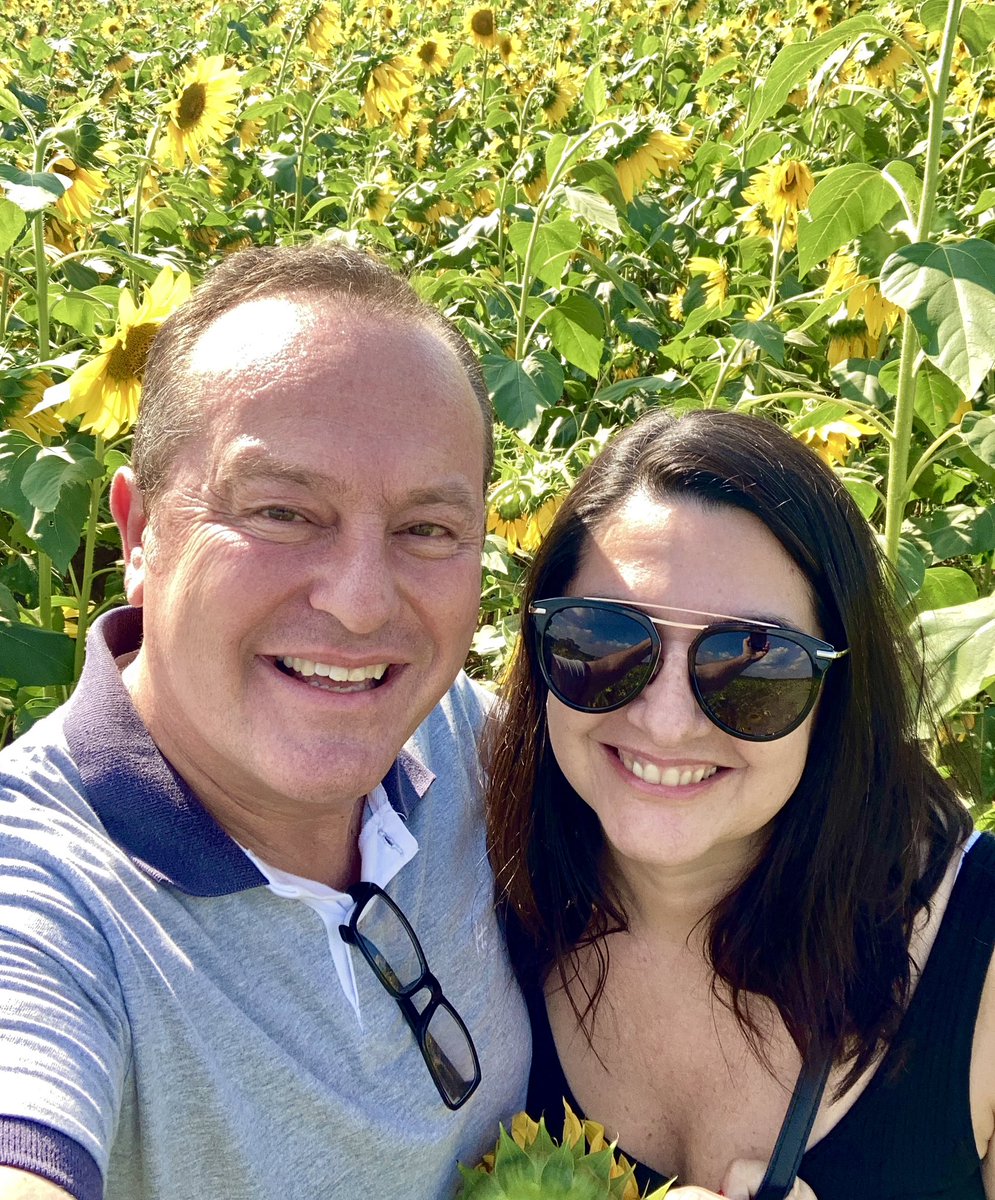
(325, 675)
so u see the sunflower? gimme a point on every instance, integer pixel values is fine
(880, 314)
(509, 47)
(675, 305)
(324, 29)
(849, 339)
(105, 392)
(120, 63)
(379, 196)
(85, 188)
(834, 441)
(646, 151)
(510, 525)
(758, 222)
(25, 393)
(716, 273)
(881, 60)
(388, 88)
(201, 113)
(432, 54)
(782, 188)
(558, 92)
(820, 15)
(534, 179)
(481, 26)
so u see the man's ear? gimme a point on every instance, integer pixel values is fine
(128, 511)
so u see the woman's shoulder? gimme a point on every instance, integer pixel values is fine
(980, 903)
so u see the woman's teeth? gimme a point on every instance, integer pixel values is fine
(317, 673)
(666, 776)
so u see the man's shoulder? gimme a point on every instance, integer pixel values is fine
(463, 709)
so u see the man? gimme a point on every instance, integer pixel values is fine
(191, 1003)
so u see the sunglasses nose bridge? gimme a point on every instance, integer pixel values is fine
(667, 708)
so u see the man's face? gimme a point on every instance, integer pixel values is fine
(310, 574)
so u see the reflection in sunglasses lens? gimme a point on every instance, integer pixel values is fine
(757, 688)
(449, 1052)
(596, 658)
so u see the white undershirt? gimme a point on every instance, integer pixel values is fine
(385, 845)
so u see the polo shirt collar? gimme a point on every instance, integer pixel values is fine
(143, 803)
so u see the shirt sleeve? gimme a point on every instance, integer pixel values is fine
(64, 1039)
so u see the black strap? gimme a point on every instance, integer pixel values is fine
(782, 1169)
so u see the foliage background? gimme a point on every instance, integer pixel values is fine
(781, 208)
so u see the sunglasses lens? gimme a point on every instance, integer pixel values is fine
(757, 684)
(596, 658)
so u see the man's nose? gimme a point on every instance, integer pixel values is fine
(353, 580)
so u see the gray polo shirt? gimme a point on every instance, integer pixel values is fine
(171, 1027)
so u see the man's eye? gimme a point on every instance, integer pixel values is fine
(428, 529)
(283, 515)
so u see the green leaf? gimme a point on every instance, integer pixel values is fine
(35, 657)
(959, 651)
(628, 290)
(595, 93)
(594, 209)
(904, 178)
(858, 380)
(668, 384)
(601, 178)
(764, 336)
(978, 431)
(823, 414)
(521, 390)
(577, 330)
(959, 529)
(80, 311)
(949, 292)
(555, 242)
(911, 566)
(845, 203)
(56, 468)
(977, 28)
(31, 191)
(936, 399)
(555, 148)
(12, 222)
(865, 495)
(795, 63)
(933, 14)
(944, 587)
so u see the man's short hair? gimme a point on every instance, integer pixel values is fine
(170, 410)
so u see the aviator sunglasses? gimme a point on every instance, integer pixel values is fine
(755, 680)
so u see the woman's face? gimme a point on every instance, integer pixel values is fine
(669, 787)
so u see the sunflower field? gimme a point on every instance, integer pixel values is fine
(786, 208)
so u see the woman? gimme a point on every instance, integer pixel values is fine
(719, 846)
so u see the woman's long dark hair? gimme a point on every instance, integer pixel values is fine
(821, 924)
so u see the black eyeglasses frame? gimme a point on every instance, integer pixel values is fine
(821, 654)
(418, 1021)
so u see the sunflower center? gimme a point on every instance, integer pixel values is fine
(428, 52)
(191, 106)
(128, 361)
(482, 23)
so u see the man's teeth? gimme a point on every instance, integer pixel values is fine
(338, 674)
(667, 776)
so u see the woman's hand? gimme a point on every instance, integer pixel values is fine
(741, 1181)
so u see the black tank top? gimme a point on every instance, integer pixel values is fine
(909, 1135)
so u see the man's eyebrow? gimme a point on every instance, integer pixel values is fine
(256, 462)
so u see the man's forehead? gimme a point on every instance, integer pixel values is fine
(250, 332)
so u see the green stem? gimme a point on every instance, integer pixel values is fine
(41, 262)
(86, 585)
(136, 215)
(898, 459)
(44, 590)
(544, 201)
(4, 294)
(483, 86)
